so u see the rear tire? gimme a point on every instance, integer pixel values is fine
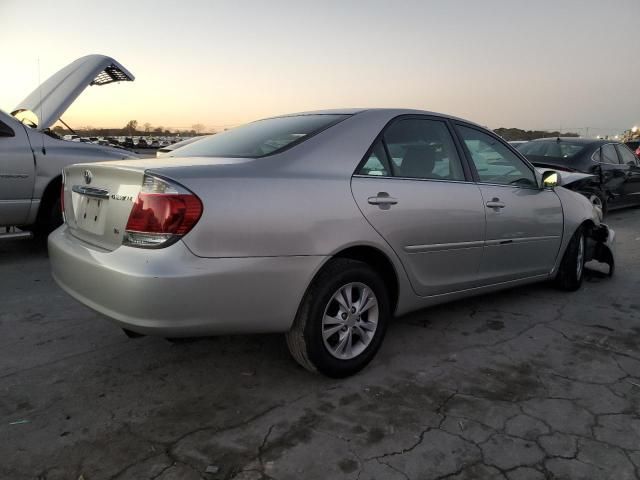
(571, 271)
(336, 335)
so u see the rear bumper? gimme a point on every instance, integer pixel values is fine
(171, 292)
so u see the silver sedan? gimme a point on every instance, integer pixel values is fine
(321, 225)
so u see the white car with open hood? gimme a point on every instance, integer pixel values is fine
(32, 158)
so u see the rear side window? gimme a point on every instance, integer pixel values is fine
(261, 138)
(417, 148)
(609, 155)
(494, 161)
(554, 149)
(628, 158)
(377, 164)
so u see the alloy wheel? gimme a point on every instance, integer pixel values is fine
(350, 320)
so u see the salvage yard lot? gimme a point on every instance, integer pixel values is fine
(525, 383)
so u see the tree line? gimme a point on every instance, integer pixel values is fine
(512, 134)
(133, 128)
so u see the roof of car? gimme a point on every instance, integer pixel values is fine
(391, 112)
(579, 140)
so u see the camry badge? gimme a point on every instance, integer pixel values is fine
(87, 176)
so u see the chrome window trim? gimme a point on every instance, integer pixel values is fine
(420, 179)
(470, 182)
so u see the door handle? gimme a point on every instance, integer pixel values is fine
(382, 198)
(495, 203)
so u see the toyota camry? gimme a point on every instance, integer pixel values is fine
(321, 225)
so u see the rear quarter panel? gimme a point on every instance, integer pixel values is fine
(294, 204)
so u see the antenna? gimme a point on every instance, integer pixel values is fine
(44, 150)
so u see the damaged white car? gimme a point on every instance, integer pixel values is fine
(32, 158)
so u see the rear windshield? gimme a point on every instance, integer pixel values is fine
(552, 149)
(257, 139)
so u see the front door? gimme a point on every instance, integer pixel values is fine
(17, 170)
(524, 222)
(413, 189)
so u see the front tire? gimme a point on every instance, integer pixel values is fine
(342, 319)
(571, 271)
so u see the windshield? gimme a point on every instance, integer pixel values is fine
(261, 138)
(552, 149)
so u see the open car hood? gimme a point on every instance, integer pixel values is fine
(51, 99)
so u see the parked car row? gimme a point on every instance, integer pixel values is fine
(129, 142)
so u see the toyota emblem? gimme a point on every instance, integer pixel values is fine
(87, 176)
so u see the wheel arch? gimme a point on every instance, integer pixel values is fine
(376, 259)
(49, 194)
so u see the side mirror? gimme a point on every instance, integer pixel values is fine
(550, 179)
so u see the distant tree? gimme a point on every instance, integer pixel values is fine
(58, 129)
(147, 127)
(131, 126)
(197, 128)
(157, 130)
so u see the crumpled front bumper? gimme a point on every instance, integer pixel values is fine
(601, 246)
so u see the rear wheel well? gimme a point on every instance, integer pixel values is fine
(380, 262)
(50, 194)
(46, 219)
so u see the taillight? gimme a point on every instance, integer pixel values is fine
(162, 213)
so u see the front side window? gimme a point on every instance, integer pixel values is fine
(260, 138)
(494, 161)
(627, 156)
(609, 155)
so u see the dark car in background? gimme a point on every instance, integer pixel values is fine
(615, 168)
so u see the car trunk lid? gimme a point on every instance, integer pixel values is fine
(98, 199)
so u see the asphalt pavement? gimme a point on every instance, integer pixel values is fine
(529, 383)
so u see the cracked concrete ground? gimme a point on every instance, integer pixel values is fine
(525, 384)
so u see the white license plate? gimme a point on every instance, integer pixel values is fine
(91, 214)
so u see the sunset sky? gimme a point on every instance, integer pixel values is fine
(528, 64)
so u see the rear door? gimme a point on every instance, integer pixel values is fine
(415, 190)
(631, 188)
(524, 222)
(613, 175)
(17, 173)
